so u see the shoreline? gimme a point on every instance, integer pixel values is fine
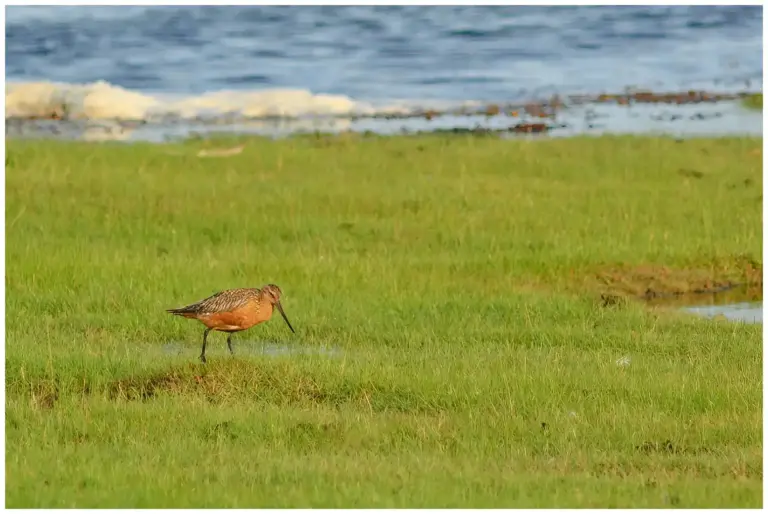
(683, 114)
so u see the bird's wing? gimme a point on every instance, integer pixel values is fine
(225, 301)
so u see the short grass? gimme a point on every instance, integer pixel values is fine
(754, 101)
(451, 348)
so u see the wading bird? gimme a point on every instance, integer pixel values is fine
(234, 310)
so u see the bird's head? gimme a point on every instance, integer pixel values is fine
(272, 294)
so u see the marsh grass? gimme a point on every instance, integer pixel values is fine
(460, 280)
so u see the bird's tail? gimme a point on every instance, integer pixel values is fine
(188, 312)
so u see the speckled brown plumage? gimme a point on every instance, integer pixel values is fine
(222, 301)
(234, 310)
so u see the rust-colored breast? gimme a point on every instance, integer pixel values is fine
(241, 318)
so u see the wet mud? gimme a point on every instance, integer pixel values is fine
(724, 295)
(653, 282)
(732, 290)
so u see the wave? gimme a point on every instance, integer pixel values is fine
(103, 101)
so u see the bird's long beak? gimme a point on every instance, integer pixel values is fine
(282, 312)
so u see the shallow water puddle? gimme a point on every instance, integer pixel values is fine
(747, 312)
(258, 348)
(739, 303)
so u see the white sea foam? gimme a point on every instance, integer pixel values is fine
(103, 101)
(284, 103)
(98, 100)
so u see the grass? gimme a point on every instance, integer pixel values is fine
(754, 101)
(455, 285)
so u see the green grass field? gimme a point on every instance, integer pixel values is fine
(452, 348)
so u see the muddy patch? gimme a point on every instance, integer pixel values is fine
(742, 277)
(721, 297)
(736, 303)
(732, 291)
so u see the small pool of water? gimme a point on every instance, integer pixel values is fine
(747, 312)
(742, 303)
(255, 348)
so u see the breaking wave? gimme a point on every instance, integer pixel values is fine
(103, 101)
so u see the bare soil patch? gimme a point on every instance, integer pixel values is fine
(742, 277)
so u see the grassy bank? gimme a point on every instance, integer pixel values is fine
(455, 286)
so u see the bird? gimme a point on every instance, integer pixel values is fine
(234, 310)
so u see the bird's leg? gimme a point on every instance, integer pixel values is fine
(229, 343)
(205, 339)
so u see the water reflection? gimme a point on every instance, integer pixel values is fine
(747, 312)
(736, 303)
(260, 348)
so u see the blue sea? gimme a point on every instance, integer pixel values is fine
(134, 69)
